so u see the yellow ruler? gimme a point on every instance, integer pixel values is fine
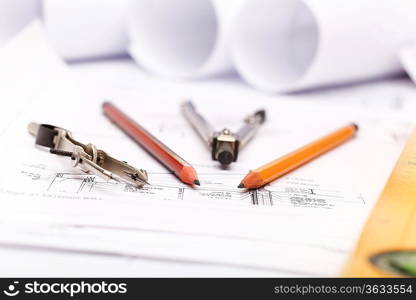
(387, 246)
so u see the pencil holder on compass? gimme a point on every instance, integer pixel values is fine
(225, 145)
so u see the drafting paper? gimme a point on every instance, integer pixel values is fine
(181, 38)
(15, 14)
(302, 225)
(289, 45)
(83, 29)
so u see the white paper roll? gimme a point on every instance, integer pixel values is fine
(181, 38)
(16, 14)
(81, 29)
(289, 45)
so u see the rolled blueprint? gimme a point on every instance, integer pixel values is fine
(181, 38)
(290, 45)
(81, 29)
(16, 14)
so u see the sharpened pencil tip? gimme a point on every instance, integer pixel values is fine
(355, 126)
(196, 181)
(241, 186)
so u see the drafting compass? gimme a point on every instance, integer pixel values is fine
(224, 144)
(86, 157)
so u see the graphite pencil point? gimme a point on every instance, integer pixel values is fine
(241, 186)
(197, 182)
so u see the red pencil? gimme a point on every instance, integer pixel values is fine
(183, 170)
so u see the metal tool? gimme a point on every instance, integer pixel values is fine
(224, 144)
(86, 157)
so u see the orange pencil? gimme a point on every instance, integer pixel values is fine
(172, 161)
(289, 162)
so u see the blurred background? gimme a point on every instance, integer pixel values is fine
(273, 46)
